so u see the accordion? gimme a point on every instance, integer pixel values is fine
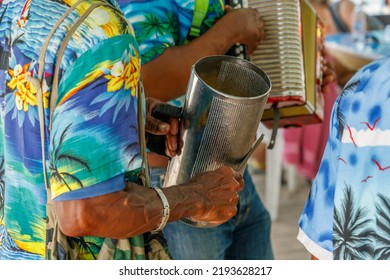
(291, 57)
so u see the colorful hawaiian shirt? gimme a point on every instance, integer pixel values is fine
(160, 24)
(92, 146)
(347, 214)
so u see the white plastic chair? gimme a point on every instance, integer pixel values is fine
(274, 171)
(273, 176)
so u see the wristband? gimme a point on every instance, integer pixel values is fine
(166, 212)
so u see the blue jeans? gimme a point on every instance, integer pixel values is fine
(246, 236)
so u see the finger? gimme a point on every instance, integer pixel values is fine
(219, 214)
(237, 176)
(226, 169)
(240, 185)
(225, 174)
(231, 210)
(229, 173)
(235, 198)
(226, 212)
(174, 126)
(171, 142)
(156, 126)
(228, 185)
(169, 152)
(328, 79)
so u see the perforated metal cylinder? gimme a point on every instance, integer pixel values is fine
(225, 100)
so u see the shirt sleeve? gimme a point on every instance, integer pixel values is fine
(156, 25)
(159, 25)
(94, 136)
(316, 221)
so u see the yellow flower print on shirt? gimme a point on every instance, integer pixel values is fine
(25, 92)
(123, 74)
(120, 74)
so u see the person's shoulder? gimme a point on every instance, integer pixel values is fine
(371, 80)
(95, 27)
(104, 15)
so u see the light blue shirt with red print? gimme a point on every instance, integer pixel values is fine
(347, 214)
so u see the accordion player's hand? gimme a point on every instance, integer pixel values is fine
(328, 72)
(244, 26)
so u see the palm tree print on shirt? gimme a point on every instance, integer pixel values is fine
(4, 46)
(84, 246)
(57, 156)
(340, 115)
(153, 26)
(172, 26)
(383, 222)
(353, 236)
(133, 148)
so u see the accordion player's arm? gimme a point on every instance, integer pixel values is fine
(166, 76)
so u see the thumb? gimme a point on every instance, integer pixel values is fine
(155, 126)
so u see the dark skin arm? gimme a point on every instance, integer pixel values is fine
(166, 77)
(211, 197)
